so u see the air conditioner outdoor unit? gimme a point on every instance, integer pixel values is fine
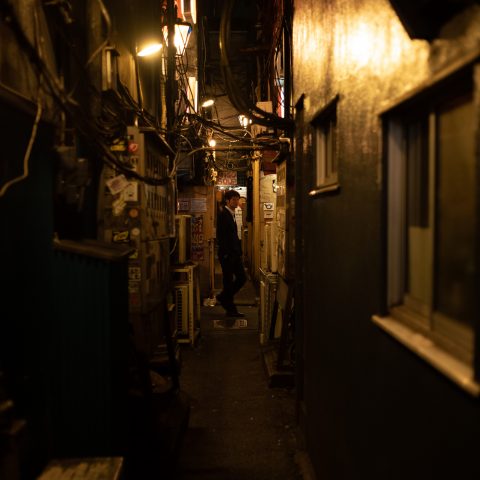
(181, 302)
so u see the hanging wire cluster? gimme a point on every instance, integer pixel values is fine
(117, 108)
(241, 102)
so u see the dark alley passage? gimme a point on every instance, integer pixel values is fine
(239, 428)
(240, 239)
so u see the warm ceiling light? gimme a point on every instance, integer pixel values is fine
(208, 103)
(182, 34)
(244, 121)
(150, 49)
(212, 142)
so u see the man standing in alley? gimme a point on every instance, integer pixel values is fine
(230, 254)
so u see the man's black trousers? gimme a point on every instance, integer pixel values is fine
(233, 278)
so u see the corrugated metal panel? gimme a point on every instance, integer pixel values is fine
(89, 348)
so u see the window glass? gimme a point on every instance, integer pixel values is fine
(432, 230)
(419, 232)
(440, 190)
(325, 168)
(455, 212)
(325, 155)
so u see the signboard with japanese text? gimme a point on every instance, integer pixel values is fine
(227, 178)
(198, 239)
(198, 204)
(183, 204)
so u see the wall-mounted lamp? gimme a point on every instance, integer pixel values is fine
(208, 103)
(149, 49)
(182, 34)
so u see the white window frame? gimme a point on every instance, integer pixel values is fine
(451, 346)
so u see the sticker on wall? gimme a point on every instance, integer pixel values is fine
(183, 204)
(118, 206)
(133, 162)
(133, 213)
(134, 274)
(117, 184)
(130, 193)
(135, 232)
(120, 236)
(133, 286)
(118, 145)
(132, 147)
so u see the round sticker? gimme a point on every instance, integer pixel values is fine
(135, 232)
(133, 213)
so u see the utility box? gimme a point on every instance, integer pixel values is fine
(139, 213)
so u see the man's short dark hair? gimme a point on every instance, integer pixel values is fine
(230, 194)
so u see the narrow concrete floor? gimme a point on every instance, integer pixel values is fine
(239, 428)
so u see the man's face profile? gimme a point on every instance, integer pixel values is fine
(233, 202)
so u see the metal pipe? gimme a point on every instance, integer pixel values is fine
(171, 52)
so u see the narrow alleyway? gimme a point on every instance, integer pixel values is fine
(240, 429)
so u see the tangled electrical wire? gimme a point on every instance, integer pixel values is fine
(240, 102)
(96, 131)
(118, 107)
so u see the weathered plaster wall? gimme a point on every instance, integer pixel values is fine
(369, 406)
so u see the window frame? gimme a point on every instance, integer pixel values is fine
(325, 149)
(452, 347)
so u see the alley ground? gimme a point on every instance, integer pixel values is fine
(239, 428)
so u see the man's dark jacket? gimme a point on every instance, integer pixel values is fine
(227, 237)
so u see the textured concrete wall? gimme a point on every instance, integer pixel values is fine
(370, 407)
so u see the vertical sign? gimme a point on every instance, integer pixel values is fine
(197, 238)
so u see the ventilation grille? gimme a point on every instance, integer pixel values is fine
(181, 300)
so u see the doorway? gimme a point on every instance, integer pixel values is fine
(240, 217)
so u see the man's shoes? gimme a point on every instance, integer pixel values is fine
(229, 307)
(234, 314)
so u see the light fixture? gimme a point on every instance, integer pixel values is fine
(244, 121)
(208, 103)
(212, 142)
(182, 34)
(149, 49)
